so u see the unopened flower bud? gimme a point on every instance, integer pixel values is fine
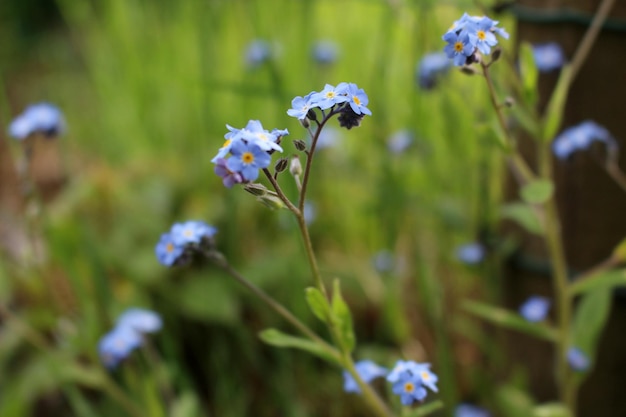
(295, 168)
(495, 55)
(305, 123)
(271, 201)
(281, 164)
(311, 115)
(509, 102)
(468, 70)
(299, 144)
(255, 189)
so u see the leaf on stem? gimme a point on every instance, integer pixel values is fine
(524, 215)
(608, 279)
(277, 338)
(529, 74)
(343, 318)
(556, 105)
(551, 410)
(510, 320)
(537, 192)
(318, 304)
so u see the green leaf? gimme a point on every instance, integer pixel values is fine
(426, 409)
(551, 410)
(619, 252)
(524, 215)
(608, 279)
(513, 402)
(510, 320)
(318, 303)
(556, 105)
(528, 73)
(277, 338)
(343, 318)
(589, 319)
(537, 192)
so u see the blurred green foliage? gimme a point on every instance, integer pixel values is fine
(147, 88)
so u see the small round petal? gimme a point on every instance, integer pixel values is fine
(548, 56)
(168, 252)
(535, 308)
(409, 388)
(330, 96)
(367, 370)
(140, 320)
(300, 106)
(116, 345)
(470, 253)
(229, 178)
(192, 231)
(357, 99)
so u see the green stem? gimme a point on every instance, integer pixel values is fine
(219, 259)
(369, 395)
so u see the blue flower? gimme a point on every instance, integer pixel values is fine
(38, 118)
(409, 388)
(420, 370)
(229, 178)
(300, 106)
(458, 48)
(330, 96)
(535, 308)
(384, 261)
(430, 67)
(116, 345)
(400, 141)
(468, 410)
(357, 99)
(367, 370)
(257, 52)
(254, 133)
(325, 52)
(191, 231)
(140, 320)
(167, 251)
(548, 56)
(247, 159)
(309, 212)
(470, 253)
(481, 36)
(580, 137)
(232, 136)
(577, 359)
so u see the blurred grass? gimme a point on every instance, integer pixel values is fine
(147, 88)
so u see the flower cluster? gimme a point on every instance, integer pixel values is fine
(127, 335)
(535, 308)
(245, 152)
(346, 99)
(38, 118)
(410, 379)
(469, 36)
(581, 137)
(183, 239)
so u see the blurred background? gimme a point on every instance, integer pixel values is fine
(147, 88)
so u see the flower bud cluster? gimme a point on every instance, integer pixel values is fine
(469, 36)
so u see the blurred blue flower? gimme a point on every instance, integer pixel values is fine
(229, 178)
(42, 118)
(384, 261)
(191, 231)
(357, 99)
(330, 96)
(469, 410)
(430, 67)
(309, 212)
(535, 308)
(577, 359)
(140, 320)
(328, 138)
(167, 251)
(116, 345)
(300, 106)
(470, 253)
(409, 387)
(257, 52)
(247, 159)
(581, 137)
(325, 52)
(367, 370)
(548, 56)
(399, 141)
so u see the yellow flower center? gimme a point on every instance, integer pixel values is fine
(330, 94)
(481, 35)
(226, 143)
(169, 247)
(356, 100)
(247, 157)
(262, 136)
(409, 387)
(458, 46)
(425, 375)
(188, 233)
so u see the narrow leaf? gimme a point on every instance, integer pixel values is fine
(318, 303)
(341, 314)
(537, 192)
(620, 251)
(426, 409)
(510, 320)
(528, 73)
(589, 319)
(277, 338)
(609, 279)
(556, 105)
(551, 410)
(524, 215)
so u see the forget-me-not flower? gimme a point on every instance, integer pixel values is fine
(471, 34)
(367, 370)
(191, 231)
(430, 68)
(325, 52)
(247, 159)
(577, 359)
(548, 56)
(409, 387)
(470, 253)
(117, 345)
(357, 99)
(458, 48)
(535, 308)
(330, 96)
(469, 410)
(257, 52)
(42, 118)
(229, 178)
(300, 106)
(167, 251)
(581, 137)
(140, 320)
(399, 141)
(410, 380)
